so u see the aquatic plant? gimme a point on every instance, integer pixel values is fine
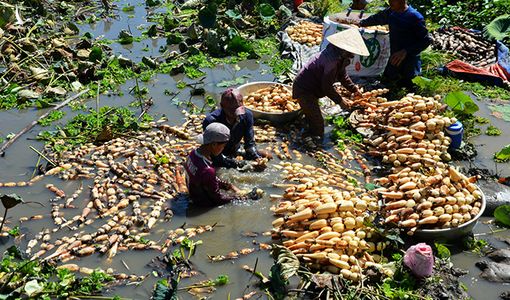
(35, 279)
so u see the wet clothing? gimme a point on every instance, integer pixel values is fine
(203, 185)
(315, 80)
(241, 130)
(407, 31)
(310, 105)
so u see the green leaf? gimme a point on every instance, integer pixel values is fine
(228, 83)
(174, 38)
(233, 14)
(503, 155)
(499, 28)
(421, 82)
(14, 231)
(371, 186)
(14, 252)
(395, 238)
(163, 291)
(285, 11)
(461, 102)
(396, 256)
(125, 37)
(207, 15)
(266, 12)
(33, 287)
(442, 250)
(170, 23)
(221, 280)
(153, 31)
(470, 107)
(502, 214)
(238, 44)
(151, 3)
(493, 131)
(11, 200)
(6, 15)
(128, 8)
(286, 260)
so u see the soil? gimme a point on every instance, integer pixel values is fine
(447, 285)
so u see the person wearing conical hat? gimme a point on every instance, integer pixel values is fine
(408, 38)
(315, 80)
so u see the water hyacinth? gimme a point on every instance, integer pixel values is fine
(420, 259)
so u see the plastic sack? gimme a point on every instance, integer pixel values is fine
(378, 44)
(420, 259)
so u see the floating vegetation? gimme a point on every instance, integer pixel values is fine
(21, 277)
(493, 131)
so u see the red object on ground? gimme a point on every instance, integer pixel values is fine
(505, 181)
(297, 3)
(494, 70)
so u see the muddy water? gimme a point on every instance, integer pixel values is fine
(479, 288)
(486, 146)
(234, 221)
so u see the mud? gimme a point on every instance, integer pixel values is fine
(445, 283)
(498, 268)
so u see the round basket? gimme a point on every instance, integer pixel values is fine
(274, 117)
(453, 232)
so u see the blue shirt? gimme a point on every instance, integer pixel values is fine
(238, 131)
(407, 29)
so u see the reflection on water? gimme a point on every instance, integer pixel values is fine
(179, 205)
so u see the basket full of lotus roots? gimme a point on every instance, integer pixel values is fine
(270, 101)
(305, 32)
(422, 194)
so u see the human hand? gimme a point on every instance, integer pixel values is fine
(252, 154)
(260, 164)
(236, 190)
(354, 22)
(265, 153)
(357, 94)
(398, 57)
(346, 103)
(255, 194)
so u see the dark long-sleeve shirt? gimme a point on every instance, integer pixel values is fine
(205, 188)
(318, 75)
(407, 29)
(239, 131)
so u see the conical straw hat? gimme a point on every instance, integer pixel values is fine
(349, 40)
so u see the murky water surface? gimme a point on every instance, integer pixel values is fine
(233, 221)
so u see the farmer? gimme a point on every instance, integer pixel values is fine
(408, 38)
(204, 187)
(359, 4)
(240, 122)
(315, 80)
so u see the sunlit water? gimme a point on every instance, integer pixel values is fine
(232, 221)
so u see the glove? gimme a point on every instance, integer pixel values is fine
(227, 162)
(252, 153)
(255, 194)
(246, 168)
